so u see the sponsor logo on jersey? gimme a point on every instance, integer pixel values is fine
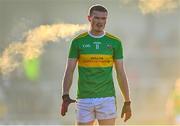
(86, 46)
(95, 60)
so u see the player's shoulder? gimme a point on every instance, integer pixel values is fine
(111, 36)
(82, 35)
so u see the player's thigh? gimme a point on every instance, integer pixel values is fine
(107, 121)
(87, 123)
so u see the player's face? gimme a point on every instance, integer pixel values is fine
(98, 21)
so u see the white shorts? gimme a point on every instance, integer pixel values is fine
(89, 109)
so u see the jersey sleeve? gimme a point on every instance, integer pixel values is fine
(118, 51)
(73, 52)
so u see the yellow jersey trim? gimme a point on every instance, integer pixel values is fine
(81, 35)
(112, 36)
(95, 60)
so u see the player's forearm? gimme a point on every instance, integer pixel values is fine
(123, 84)
(67, 82)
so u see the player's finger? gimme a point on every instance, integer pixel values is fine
(122, 114)
(62, 111)
(66, 106)
(127, 116)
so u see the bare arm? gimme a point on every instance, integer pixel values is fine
(68, 77)
(122, 79)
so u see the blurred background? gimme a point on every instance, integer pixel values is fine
(150, 34)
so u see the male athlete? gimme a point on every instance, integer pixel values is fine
(96, 51)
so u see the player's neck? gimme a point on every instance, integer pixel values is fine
(95, 33)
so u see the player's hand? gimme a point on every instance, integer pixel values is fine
(66, 101)
(126, 111)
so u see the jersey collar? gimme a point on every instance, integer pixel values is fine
(94, 36)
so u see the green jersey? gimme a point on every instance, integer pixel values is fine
(95, 55)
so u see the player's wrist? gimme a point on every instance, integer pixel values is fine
(65, 96)
(127, 103)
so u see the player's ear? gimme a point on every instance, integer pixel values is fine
(89, 18)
